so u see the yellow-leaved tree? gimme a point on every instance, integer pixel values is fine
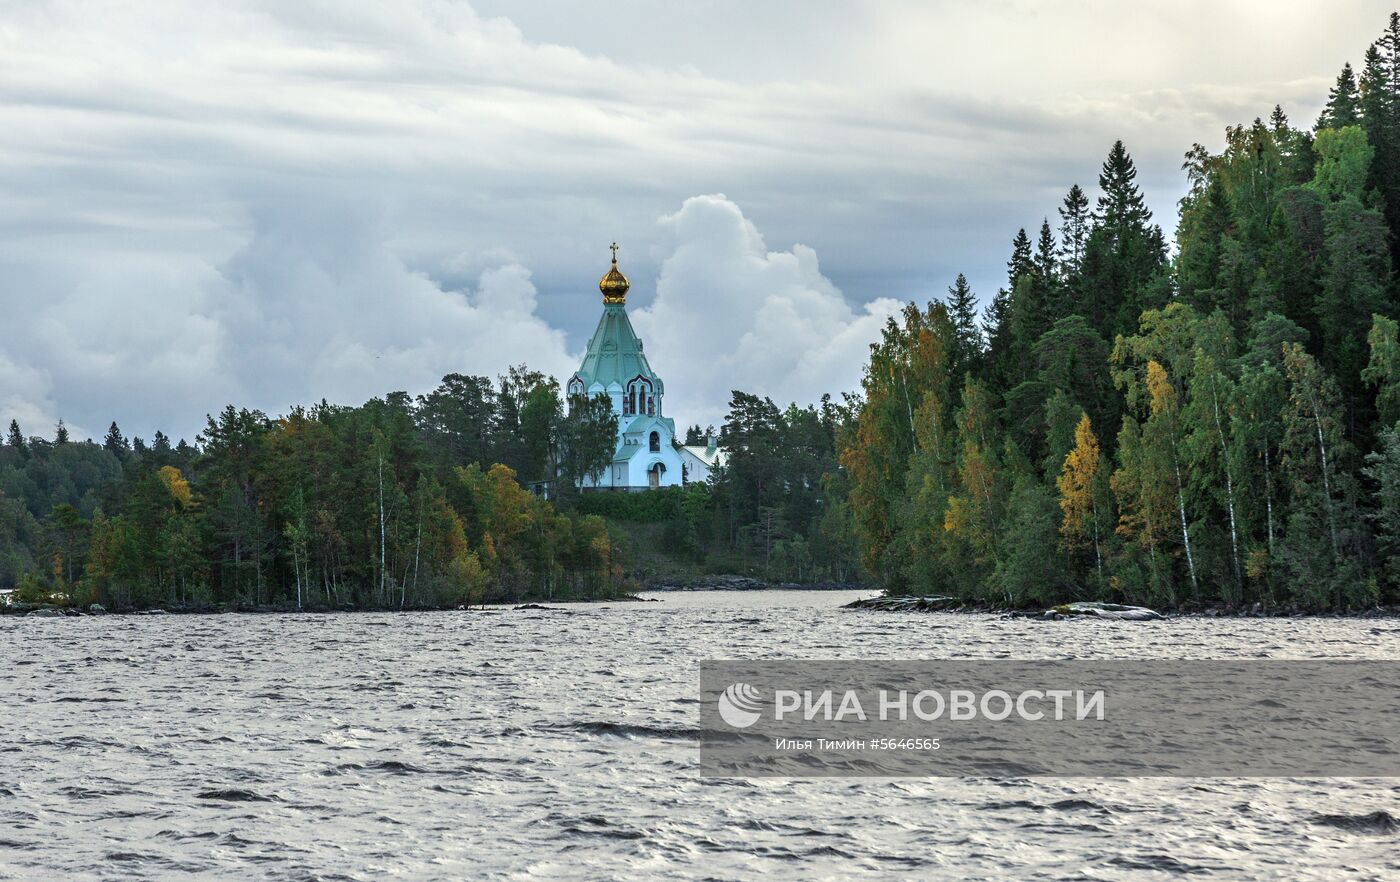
(1081, 483)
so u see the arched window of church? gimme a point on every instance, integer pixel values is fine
(639, 397)
(655, 442)
(575, 386)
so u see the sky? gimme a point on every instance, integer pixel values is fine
(270, 203)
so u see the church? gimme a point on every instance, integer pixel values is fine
(648, 454)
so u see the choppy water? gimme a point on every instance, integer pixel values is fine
(560, 745)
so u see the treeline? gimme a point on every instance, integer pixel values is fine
(1217, 426)
(396, 503)
(776, 509)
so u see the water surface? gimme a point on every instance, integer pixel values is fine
(516, 744)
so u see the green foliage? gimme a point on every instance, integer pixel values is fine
(391, 504)
(1242, 381)
(652, 507)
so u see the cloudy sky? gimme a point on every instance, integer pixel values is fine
(270, 203)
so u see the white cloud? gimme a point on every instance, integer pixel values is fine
(314, 305)
(24, 396)
(318, 305)
(730, 314)
(268, 203)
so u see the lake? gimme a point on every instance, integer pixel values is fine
(560, 744)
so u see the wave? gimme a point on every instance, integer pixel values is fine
(393, 767)
(235, 794)
(618, 730)
(1162, 863)
(1372, 822)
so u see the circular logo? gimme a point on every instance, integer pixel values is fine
(740, 705)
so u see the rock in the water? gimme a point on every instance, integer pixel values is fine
(97, 609)
(1108, 611)
(930, 603)
(541, 606)
(48, 612)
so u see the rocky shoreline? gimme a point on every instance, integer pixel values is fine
(50, 610)
(745, 583)
(1111, 611)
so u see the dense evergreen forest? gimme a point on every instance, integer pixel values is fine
(397, 503)
(1209, 421)
(1216, 425)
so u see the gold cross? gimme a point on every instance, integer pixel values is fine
(614, 251)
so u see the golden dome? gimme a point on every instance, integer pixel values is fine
(614, 284)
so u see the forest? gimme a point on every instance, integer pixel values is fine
(399, 503)
(1209, 423)
(1210, 419)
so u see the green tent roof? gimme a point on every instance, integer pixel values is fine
(615, 353)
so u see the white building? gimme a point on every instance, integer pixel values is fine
(648, 453)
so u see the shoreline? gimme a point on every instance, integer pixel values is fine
(881, 603)
(1067, 611)
(49, 610)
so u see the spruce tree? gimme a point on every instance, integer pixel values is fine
(1125, 250)
(15, 439)
(996, 332)
(1121, 204)
(1047, 276)
(115, 443)
(1020, 263)
(60, 434)
(1004, 364)
(1380, 116)
(1074, 230)
(967, 337)
(1045, 263)
(1205, 224)
(1342, 100)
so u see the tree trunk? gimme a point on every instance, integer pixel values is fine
(1229, 489)
(383, 552)
(1326, 482)
(1269, 497)
(1185, 531)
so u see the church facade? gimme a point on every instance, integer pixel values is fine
(648, 454)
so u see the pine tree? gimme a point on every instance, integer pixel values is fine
(15, 439)
(60, 434)
(1342, 101)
